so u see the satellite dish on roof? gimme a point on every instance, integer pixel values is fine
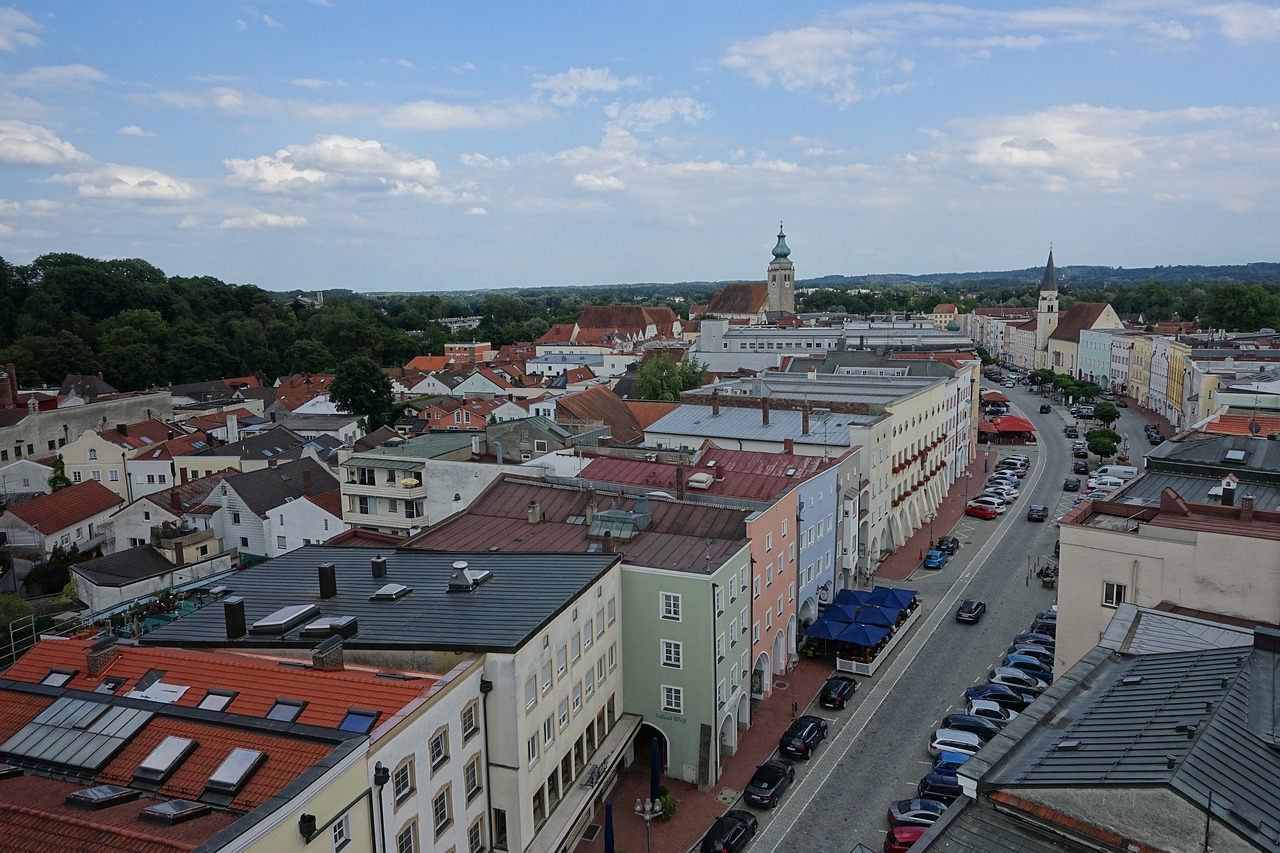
(1254, 428)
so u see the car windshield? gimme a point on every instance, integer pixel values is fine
(767, 775)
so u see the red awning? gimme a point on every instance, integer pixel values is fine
(1013, 423)
(994, 397)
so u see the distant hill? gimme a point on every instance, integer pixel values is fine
(1086, 277)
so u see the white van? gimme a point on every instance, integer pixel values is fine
(1105, 483)
(1123, 472)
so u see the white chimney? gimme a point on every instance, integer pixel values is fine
(233, 428)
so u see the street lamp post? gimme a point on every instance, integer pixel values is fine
(930, 518)
(648, 809)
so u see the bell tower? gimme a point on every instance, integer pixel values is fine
(1046, 313)
(782, 283)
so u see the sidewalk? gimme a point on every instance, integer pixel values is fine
(698, 810)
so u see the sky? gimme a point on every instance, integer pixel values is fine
(424, 146)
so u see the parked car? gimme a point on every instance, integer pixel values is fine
(1004, 479)
(1047, 613)
(981, 511)
(1009, 383)
(1016, 679)
(837, 692)
(943, 787)
(935, 559)
(900, 839)
(1045, 409)
(1071, 484)
(1104, 482)
(1037, 638)
(1031, 650)
(803, 736)
(1009, 493)
(980, 726)
(971, 610)
(1071, 431)
(769, 782)
(1016, 467)
(946, 740)
(990, 502)
(1031, 666)
(1014, 700)
(915, 812)
(730, 833)
(1120, 403)
(1037, 512)
(1079, 453)
(989, 710)
(1080, 466)
(949, 762)
(950, 544)
(1156, 438)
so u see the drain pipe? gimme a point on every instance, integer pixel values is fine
(381, 775)
(486, 687)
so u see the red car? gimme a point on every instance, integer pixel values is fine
(900, 838)
(979, 511)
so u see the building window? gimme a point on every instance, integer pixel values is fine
(562, 661)
(235, 518)
(244, 541)
(533, 750)
(755, 588)
(588, 633)
(670, 606)
(113, 476)
(613, 656)
(733, 633)
(720, 648)
(439, 748)
(531, 692)
(441, 810)
(546, 678)
(719, 601)
(755, 632)
(575, 646)
(96, 474)
(577, 697)
(470, 728)
(93, 455)
(407, 838)
(499, 829)
(548, 731)
(613, 610)
(75, 475)
(475, 837)
(672, 654)
(1113, 594)
(402, 780)
(672, 699)
(341, 832)
(590, 682)
(779, 606)
(471, 777)
(564, 714)
(281, 542)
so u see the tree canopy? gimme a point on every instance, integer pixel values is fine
(661, 378)
(360, 387)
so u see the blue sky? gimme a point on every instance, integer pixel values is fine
(413, 146)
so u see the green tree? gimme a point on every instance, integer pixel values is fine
(1102, 447)
(1240, 308)
(984, 355)
(1106, 412)
(361, 388)
(660, 378)
(50, 576)
(307, 356)
(58, 479)
(1088, 390)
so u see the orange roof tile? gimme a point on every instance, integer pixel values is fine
(427, 363)
(330, 502)
(1239, 424)
(302, 388)
(648, 413)
(63, 508)
(236, 382)
(740, 297)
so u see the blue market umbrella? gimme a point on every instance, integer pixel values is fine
(887, 596)
(823, 630)
(608, 828)
(862, 635)
(883, 616)
(840, 613)
(655, 772)
(852, 597)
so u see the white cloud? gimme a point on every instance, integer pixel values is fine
(338, 163)
(17, 30)
(134, 130)
(646, 115)
(57, 76)
(599, 183)
(475, 211)
(480, 161)
(312, 83)
(114, 181)
(1246, 22)
(23, 144)
(434, 115)
(242, 104)
(809, 57)
(569, 87)
(259, 220)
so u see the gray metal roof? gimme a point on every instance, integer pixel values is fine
(1142, 630)
(124, 567)
(1146, 489)
(982, 829)
(833, 430)
(1117, 721)
(421, 448)
(523, 594)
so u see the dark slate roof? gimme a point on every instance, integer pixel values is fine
(267, 444)
(1125, 713)
(125, 567)
(1081, 315)
(264, 490)
(524, 593)
(325, 447)
(980, 829)
(1050, 281)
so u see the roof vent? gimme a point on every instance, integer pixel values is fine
(284, 619)
(379, 564)
(1131, 679)
(101, 796)
(465, 579)
(1069, 746)
(8, 771)
(174, 811)
(330, 626)
(390, 592)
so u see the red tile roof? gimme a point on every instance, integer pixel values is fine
(601, 404)
(944, 308)
(302, 388)
(1081, 315)
(744, 474)
(237, 382)
(330, 502)
(578, 374)
(358, 538)
(141, 434)
(741, 297)
(1239, 424)
(648, 413)
(217, 420)
(428, 363)
(63, 508)
(559, 333)
(631, 320)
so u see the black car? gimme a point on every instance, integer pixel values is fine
(1122, 404)
(915, 812)
(1080, 453)
(950, 544)
(942, 787)
(771, 779)
(980, 726)
(971, 610)
(1080, 467)
(803, 736)
(1012, 699)
(1156, 438)
(837, 692)
(1037, 512)
(1071, 484)
(1045, 408)
(1036, 638)
(730, 833)
(1044, 626)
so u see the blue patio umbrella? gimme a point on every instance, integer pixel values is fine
(852, 596)
(887, 596)
(863, 635)
(823, 630)
(608, 828)
(655, 772)
(840, 613)
(883, 616)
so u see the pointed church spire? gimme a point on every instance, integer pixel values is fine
(780, 251)
(1050, 280)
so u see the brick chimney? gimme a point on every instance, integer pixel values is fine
(607, 545)
(1246, 508)
(680, 486)
(804, 419)
(327, 657)
(789, 445)
(100, 656)
(306, 483)
(764, 411)
(715, 402)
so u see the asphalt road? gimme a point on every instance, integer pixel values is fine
(877, 749)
